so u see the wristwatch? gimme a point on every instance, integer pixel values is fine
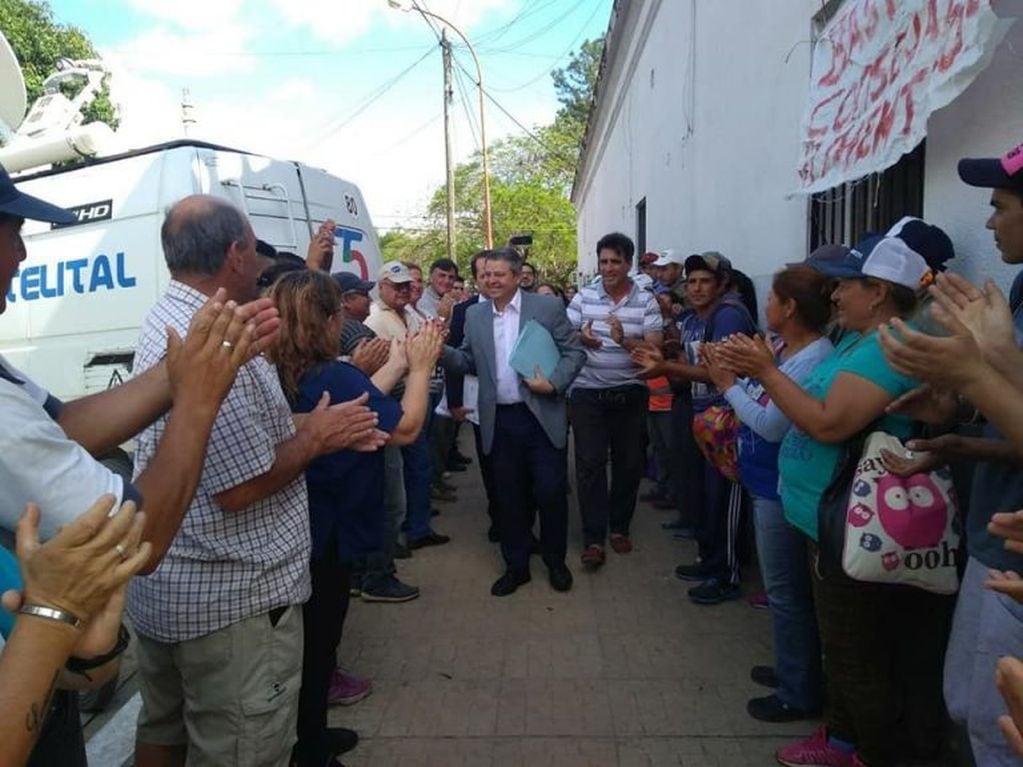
(81, 665)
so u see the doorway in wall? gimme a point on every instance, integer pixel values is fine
(641, 227)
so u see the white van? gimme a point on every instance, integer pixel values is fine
(75, 308)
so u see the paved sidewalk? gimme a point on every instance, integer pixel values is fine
(622, 670)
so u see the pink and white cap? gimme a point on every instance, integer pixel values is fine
(1005, 172)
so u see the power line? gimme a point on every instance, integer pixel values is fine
(544, 30)
(335, 126)
(551, 151)
(559, 57)
(473, 128)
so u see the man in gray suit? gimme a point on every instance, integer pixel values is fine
(523, 421)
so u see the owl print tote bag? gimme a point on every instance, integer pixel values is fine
(883, 528)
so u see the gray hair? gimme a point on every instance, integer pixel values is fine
(197, 233)
(509, 255)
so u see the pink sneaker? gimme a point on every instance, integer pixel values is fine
(759, 601)
(346, 689)
(814, 752)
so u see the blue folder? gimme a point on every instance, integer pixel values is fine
(533, 347)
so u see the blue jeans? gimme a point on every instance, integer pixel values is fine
(783, 564)
(418, 470)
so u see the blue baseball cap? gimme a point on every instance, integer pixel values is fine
(884, 258)
(16, 203)
(349, 282)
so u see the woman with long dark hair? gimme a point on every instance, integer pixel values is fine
(798, 309)
(345, 488)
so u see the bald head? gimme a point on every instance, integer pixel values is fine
(198, 232)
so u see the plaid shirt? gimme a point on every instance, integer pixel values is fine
(223, 566)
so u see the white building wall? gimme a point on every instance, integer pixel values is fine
(985, 121)
(701, 117)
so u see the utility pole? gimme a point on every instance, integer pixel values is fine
(448, 158)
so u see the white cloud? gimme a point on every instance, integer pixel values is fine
(327, 20)
(192, 14)
(187, 53)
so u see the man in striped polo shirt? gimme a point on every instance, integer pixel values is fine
(608, 399)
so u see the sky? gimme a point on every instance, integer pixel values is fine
(352, 86)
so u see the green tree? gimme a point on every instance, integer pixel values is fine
(39, 42)
(574, 83)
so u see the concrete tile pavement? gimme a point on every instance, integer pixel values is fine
(622, 670)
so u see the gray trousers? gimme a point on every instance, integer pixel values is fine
(659, 428)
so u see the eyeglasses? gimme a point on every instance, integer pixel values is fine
(398, 285)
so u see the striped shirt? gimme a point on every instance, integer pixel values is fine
(611, 365)
(223, 566)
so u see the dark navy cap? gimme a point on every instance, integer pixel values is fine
(1005, 172)
(349, 282)
(16, 203)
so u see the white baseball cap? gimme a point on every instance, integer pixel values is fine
(669, 256)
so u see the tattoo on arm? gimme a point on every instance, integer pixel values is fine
(36, 714)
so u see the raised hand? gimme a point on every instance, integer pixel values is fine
(320, 255)
(80, 568)
(341, 426)
(587, 338)
(539, 384)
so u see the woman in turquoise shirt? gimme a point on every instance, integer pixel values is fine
(883, 665)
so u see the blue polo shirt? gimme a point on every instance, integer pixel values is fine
(346, 488)
(10, 578)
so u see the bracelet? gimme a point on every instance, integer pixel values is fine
(81, 665)
(51, 613)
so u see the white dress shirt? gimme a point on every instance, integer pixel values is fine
(506, 332)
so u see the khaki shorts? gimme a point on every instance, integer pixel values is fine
(230, 696)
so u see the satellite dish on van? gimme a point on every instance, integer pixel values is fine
(13, 98)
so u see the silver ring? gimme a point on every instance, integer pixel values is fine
(121, 551)
(226, 344)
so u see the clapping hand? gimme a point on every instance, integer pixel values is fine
(950, 362)
(720, 375)
(82, 567)
(539, 384)
(222, 337)
(649, 358)
(617, 331)
(341, 426)
(446, 304)
(587, 338)
(371, 354)
(424, 348)
(984, 313)
(746, 355)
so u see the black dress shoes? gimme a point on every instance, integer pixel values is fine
(508, 583)
(560, 578)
